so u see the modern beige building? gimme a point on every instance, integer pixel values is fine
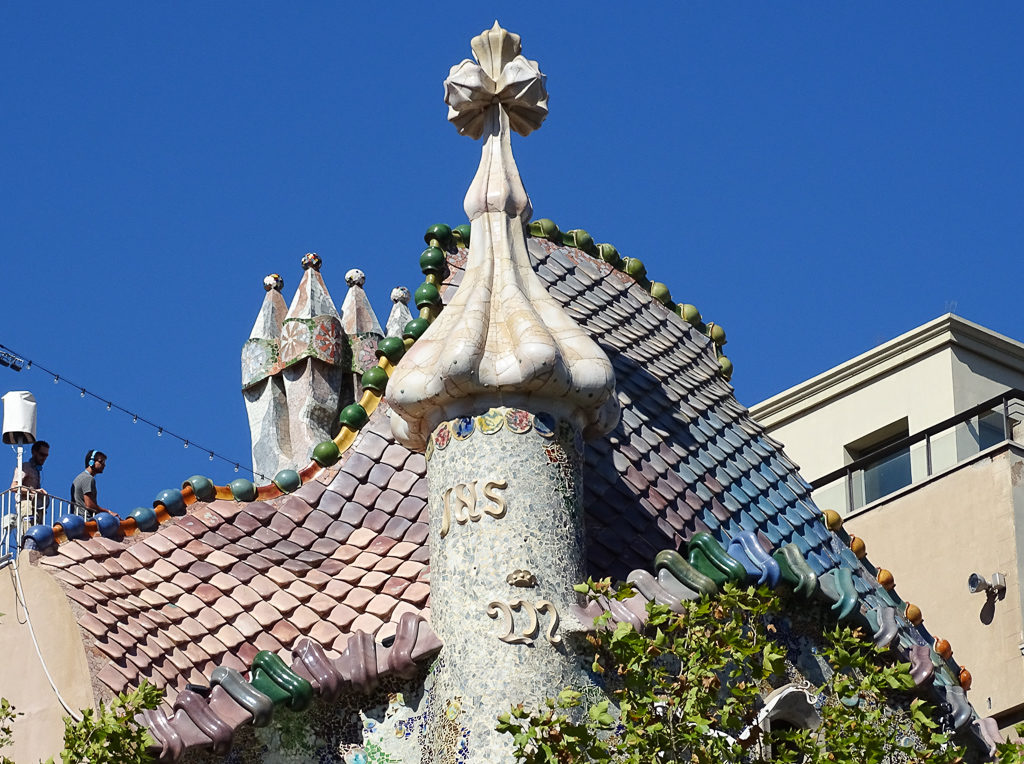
(919, 445)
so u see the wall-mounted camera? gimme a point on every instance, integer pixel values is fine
(977, 583)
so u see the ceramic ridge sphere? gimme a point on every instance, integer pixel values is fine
(202, 487)
(375, 379)
(439, 232)
(326, 454)
(145, 518)
(288, 481)
(242, 489)
(415, 328)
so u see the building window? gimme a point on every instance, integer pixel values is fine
(886, 473)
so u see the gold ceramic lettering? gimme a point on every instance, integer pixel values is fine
(491, 488)
(460, 502)
(495, 609)
(531, 627)
(467, 496)
(446, 517)
(544, 606)
(527, 636)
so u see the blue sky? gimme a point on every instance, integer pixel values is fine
(817, 178)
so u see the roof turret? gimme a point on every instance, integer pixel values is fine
(400, 313)
(503, 340)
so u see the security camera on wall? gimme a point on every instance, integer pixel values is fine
(977, 583)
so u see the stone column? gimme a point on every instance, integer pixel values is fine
(500, 393)
(506, 541)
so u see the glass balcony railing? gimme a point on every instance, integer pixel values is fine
(919, 456)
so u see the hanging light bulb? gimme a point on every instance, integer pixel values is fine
(28, 365)
(211, 456)
(108, 405)
(236, 468)
(83, 392)
(186, 444)
(135, 418)
(56, 379)
(159, 432)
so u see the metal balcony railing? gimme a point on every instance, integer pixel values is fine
(919, 456)
(20, 509)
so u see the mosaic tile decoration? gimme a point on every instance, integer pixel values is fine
(347, 552)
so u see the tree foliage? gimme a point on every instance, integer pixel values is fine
(690, 689)
(108, 735)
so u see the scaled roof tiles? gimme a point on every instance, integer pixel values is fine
(348, 552)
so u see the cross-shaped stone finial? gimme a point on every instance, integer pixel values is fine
(500, 90)
(502, 340)
(500, 76)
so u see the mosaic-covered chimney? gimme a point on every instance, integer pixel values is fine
(400, 314)
(500, 392)
(263, 386)
(361, 326)
(314, 356)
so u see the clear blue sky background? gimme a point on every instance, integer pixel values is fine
(817, 178)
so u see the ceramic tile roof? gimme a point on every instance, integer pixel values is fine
(346, 555)
(228, 579)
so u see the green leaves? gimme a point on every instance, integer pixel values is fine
(110, 734)
(690, 688)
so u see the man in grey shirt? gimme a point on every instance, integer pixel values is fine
(83, 489)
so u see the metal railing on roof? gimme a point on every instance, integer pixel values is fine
(917, 457)
(22, 508)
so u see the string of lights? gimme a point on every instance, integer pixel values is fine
(16, 362)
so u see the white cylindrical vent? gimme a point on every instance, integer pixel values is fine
(19, 417)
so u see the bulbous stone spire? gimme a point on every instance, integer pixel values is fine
(400, 314)
(262, 385)
(503, 340)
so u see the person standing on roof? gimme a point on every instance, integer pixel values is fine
(83, 488)
(32, 497)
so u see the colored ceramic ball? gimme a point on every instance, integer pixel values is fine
(716, 333)
(635, 268)
(273, 281)
(609, 254)
(546, 228)
(426, 294)
(326, 454)
(726, 366)
(375, 379)
(145, 518)
(109, 525)
(660, 293)
(74, 526)
(353, 416)
(391, 348)
(438, 231)
(688, 313)
(432, 260)
(580, 239)
(172, 500)
(242, 489)
(288, 481)
(202, 487)
(415, 328)
(40, 535)
(311, 260)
